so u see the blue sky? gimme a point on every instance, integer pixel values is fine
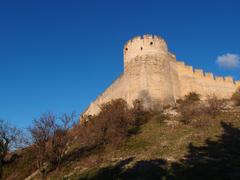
(59, 55)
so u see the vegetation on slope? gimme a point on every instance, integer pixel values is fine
(169, 150)
(191, 140)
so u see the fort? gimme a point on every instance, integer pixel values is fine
(153, 75)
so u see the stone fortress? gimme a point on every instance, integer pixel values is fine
(153, 75)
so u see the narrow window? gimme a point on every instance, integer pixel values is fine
(151, 43)
(141, 48)
(126, 49)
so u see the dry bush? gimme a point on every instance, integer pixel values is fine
(115, 122)
(236, 97)
(110, 126)
(116, 119)
(59, 142)
(193, 110)
(11, 138)
(192, 97)
(189, 107)
(159, 112)
(139, 113)
(214, 105)
(83, 132)
(188, 111)
(179, 101)
(167, 106)
(50, 139)
(41, 132)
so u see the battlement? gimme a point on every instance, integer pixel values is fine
(145, 39)
(144, 45)
(199, 73)
(189, 69)
(237, 83)
(219, 78)
(181, 63)
(209, 75)
(228, 79)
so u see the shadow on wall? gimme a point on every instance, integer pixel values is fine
(217, 160)
(149, 102)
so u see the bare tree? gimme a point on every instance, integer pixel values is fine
(50, 139)
(60, 140)
(41, 131)
(10, 139)
(215, 105)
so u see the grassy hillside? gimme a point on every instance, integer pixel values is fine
(162, 148)
(167, 150)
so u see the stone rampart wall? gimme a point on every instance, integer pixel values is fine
(153, 74)
(204, 83)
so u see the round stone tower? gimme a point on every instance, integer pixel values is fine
(151, 70)
(143, 45)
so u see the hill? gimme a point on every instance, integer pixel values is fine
(163, 147)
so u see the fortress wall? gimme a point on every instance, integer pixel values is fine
(146, 77)
(159, 84)
(153, 75)
(175, 80)
(129, 86)
(186, 78)
(204, 83)
(112, 92)
(237, 83)
(160, 79)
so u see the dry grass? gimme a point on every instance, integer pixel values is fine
(167, 139)
(156, 140)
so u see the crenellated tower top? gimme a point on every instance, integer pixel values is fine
(144, 45)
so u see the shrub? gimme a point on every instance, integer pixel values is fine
(192, 97)
(50, 139)
(236, 97)
(58, 143)
(214, 105)
(118, 119)
(11, 138)
(139, 113)
(114, 123)
(111, 125)
(189, 107)
(189, 98)
(188, 111)
(160, 116)
(179, 101)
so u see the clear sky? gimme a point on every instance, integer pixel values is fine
(59, 55)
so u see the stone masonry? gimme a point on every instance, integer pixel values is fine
(153, 75)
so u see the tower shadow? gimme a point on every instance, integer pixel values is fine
(216, 160)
